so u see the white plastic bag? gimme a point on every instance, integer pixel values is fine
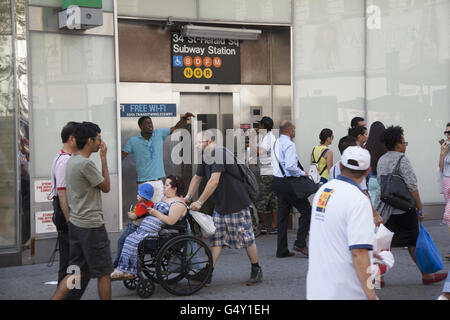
(205, 222)
(383, 239)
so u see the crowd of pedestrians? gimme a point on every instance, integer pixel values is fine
(335, 232)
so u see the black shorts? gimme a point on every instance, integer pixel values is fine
(90, 246)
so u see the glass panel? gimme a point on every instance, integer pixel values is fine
(108, 5)
(155, 8)
(328, 70)
(22, 111)
(408, 76)
(246, 10)
(7, 129)
(73, 79)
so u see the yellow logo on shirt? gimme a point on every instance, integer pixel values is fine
(323, 200)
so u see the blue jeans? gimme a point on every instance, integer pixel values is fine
(372, 188)
(131, 228)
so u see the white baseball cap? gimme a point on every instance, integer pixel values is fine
(356, 158)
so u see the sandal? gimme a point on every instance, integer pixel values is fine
(116, 275)
(119, 275)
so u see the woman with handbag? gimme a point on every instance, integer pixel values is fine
(444, 167)
(405, 225)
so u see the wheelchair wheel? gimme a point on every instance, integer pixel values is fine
(183, 265)
(145, 288)
(147, 265)
(131, 284)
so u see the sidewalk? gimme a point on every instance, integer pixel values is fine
(284, 279)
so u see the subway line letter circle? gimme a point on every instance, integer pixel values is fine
(188, 73)
(198, 73)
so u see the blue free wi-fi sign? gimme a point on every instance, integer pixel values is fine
(150, 109)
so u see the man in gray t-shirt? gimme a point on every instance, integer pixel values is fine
(89, 243)
(84, 197)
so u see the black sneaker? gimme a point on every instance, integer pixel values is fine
(263, 229)
(255, 276)
(272, 230)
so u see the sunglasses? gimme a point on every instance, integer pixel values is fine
(447, 132)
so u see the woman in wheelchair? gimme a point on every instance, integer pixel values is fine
(168, 211)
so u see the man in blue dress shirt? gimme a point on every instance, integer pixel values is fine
(147, 150)
(285, 153)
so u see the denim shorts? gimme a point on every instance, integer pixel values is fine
(91, 247)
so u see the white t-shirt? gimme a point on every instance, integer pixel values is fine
(341, 220)
(335, 171)
(265, 159)
(59, 172)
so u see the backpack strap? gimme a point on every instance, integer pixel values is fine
(323, 153)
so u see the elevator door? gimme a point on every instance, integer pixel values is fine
(212, 111)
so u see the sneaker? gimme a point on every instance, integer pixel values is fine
(255, 276)
(442, 297)
(263, 229)
(272, 230)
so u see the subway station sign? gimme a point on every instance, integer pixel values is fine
(204, 60)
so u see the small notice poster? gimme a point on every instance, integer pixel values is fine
(42, 190)
(44, 223)
(204, 60)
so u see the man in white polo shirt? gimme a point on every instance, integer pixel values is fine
(342, 234)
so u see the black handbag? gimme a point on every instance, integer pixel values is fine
(58, 218)
(302, 186)
(394, 191)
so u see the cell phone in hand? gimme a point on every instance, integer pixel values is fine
(441, 142)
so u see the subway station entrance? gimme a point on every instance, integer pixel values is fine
(225, 83)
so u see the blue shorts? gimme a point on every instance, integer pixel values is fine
(233, 230)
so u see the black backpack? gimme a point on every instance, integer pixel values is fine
(248, 178)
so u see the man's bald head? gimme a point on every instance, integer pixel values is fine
(285, 125)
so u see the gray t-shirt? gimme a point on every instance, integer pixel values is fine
(83, 195)
(231, 195)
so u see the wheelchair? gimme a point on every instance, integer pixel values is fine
(177, 260)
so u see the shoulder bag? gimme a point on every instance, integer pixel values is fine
(395, 192)
(302, 186)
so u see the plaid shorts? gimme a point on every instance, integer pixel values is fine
(233, 230)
